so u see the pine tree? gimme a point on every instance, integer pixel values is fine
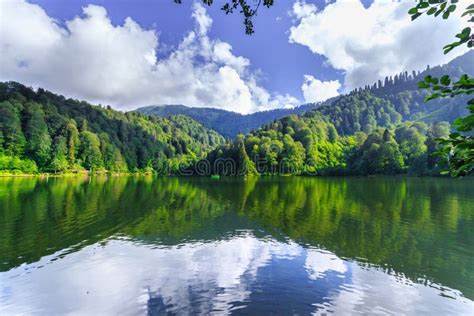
(38, 138)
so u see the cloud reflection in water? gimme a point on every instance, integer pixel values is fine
(123, 276)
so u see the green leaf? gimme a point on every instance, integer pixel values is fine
(415, 16)
(448, 48)
(468, 12)
(423, 5)
(464, 146)
(432, 96)
(423, 85)
(431, 11)
(446, 15)
(466, 31)
(445, 80)
(442, 6)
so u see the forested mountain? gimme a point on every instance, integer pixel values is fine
(310, 144)
(398, 99)
(385, 103)
(372, 130)
(47, 132)
(408, 99)
(227, 123)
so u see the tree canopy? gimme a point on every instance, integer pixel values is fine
(47, 132)
(458, 148)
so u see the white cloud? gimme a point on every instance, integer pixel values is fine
(301, 9)
(123, 276)
(371, 43)
(315, 90)
(90, 58)
(203, 21)
(319, 262)
(376, 292)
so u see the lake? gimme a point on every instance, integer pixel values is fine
(269, 245)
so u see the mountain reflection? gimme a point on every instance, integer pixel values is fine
(293, 245)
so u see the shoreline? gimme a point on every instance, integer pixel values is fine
(75, 174)
(117, 174)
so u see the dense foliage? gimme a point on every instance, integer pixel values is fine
(311, 144)
(372, 130)
(41, 131)
(360, 134)
(457, 149)
(227, 123)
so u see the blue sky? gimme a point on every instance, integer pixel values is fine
(283, 64)
(302, 51)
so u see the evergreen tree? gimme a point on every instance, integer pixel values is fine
(72, 142)
(36, 131)
(59, 154)
(90, 153)
(12, 140)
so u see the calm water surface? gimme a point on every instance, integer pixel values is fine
(144, 245)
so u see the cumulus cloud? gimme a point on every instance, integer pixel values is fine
(374, 42)
(319, 262)
(129, 277)
(219, 274)
(315, 90)
(374, 291)
(92, 59)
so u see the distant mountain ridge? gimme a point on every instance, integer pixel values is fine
(227, 123)
(393, 100)
(398, 99)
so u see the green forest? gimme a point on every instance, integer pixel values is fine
(385, 128)
(227, 123)
(44, 132)
(311, 145)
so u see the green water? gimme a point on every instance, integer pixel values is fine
(284, 245)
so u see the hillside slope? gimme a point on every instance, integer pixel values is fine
(377, 129)
(45, 131)
(310, 144)
(227, 123)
